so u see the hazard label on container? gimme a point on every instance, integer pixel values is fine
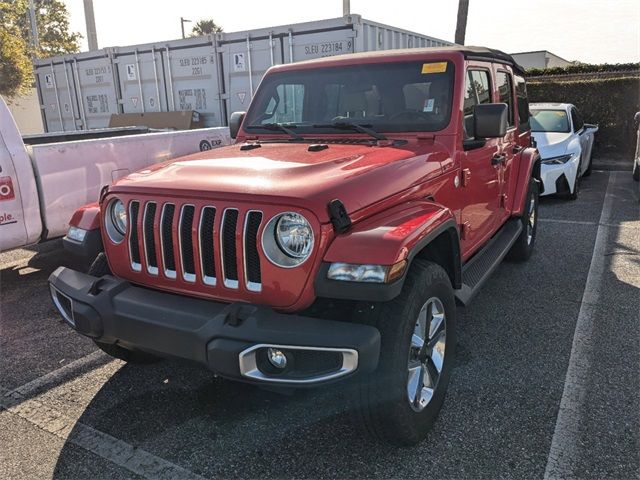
(134, 101)
(241, 96)
(239, 64)
(152, 102)
(48, 80)
(131, 71)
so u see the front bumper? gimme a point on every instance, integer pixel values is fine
(559, 178)
(230, 339)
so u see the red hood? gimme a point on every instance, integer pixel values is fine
(288, 174)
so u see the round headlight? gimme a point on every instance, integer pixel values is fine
(294, 235)
(287, 239)
(119, 216)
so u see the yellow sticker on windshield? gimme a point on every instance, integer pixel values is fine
(437, 67)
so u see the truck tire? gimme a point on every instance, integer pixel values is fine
(99, 268)
(415, 328)
(522, 248)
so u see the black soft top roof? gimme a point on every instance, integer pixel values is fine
(486, 54)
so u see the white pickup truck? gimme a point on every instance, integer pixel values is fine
(44, 180)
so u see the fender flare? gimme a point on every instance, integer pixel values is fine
(397, 234)
(529, 167)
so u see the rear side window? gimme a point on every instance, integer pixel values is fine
(477, 91)
(523, 104)
(503, 79)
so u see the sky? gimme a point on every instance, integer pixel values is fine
(592, 31)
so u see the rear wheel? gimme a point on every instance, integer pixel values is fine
(400, 401)
(100, 268)
(522, 248)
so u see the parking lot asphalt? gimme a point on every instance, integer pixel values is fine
(546, 382)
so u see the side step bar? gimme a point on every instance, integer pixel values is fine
(477, 270)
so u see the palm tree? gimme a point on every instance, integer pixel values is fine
(461, 26)
(205, 27)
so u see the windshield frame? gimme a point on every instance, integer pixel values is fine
(306, 128)
(534, 110)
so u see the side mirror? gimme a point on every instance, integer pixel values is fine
(490, 120)
(234, 123)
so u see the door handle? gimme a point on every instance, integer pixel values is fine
(517, 149)
(498, 159)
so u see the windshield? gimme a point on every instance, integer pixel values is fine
(549, 121)
(387, 97)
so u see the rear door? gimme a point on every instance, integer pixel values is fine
(509, 153)
(480, 176)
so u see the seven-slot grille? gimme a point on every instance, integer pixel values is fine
(206, 239)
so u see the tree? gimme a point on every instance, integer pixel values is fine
(16, 49)
(205, 27)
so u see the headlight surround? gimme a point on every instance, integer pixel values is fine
(287, 239)
(116, 220)
(561, 160)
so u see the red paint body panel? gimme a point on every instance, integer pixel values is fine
(388, 237)
(528, 158)
(86, 217)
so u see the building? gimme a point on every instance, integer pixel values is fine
(539, 59)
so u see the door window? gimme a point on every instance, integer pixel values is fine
(477, 91)
(523, 104)
(503, 79)
(576, 119)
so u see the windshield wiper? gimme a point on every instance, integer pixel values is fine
(352, 126)
(282, 127)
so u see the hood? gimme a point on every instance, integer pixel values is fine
(552, 144)
(289, 174)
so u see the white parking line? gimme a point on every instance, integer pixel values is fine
(563, 453)
(57, 375)
(117, 451)
(588, 223)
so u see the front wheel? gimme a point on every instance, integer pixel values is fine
(400, 401)
(522, 248)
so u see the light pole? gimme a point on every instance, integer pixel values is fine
(346, 8)
(35, 41)
(182, 22)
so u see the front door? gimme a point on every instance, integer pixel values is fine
(481, 170)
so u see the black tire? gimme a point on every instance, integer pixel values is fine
(383, 400)
(576, 187)
(587, 172)
(99, 268)
(522, 249)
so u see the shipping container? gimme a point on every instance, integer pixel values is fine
(214, 75)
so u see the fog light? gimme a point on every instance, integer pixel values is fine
(77, 234)
(277, 358)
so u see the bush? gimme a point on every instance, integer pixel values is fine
(584, 68)
(610, 103)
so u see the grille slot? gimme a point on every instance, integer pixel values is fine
(134, 247)
(253, 276)
(166, 240)
(186, 243)
(229, 250)
(206, 237)
(149, 238)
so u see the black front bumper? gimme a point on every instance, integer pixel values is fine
(218, 335)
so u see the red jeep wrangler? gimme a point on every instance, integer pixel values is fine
(365, 194)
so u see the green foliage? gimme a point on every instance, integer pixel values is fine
(584, 68)
(16, 70)
(205, 27)
(610, 103)
(16, 49)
